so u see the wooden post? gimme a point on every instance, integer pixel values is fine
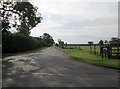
(100, 49)
(110, 51)
(75, 47)
(79, 47)
(90, 48)
(118, 51)
(94, 49)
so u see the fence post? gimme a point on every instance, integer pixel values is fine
(90, 48)
(117, 50)
(79, 47)
(94, 49)
(75, 47)
(110, 51)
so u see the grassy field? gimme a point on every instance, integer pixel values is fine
(85, 56)
(84, 48)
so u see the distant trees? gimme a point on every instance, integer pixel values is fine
(90, 43)
(17, 42)
(61, 43)
(48, 39)
(101, 42)
(114, 40)
(106, 42)
(56, 44)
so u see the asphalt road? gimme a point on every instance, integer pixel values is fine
(51, 67)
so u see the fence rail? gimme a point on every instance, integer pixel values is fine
(114, 49)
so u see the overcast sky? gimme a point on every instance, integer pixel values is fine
(74, 21)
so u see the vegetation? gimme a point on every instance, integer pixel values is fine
(85, 56)
(86, 53)
(23, 17)
(16, 42)
(48, 39)
(90, 43)
(61, 43)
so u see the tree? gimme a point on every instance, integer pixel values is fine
(23, 14)
(101, 42)
(115, 41)
(61, 43)
(106, 42)
(90, 43)
(48, 38)
(59, 40)
(56, 44)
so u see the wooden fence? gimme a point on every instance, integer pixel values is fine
(76, 45)
(113, 50)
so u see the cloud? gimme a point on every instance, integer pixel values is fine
(84, 21)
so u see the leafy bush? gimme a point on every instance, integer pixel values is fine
(18, 42)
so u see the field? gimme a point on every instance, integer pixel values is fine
(84, 55)
(84, 48)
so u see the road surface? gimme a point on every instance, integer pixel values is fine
(51, 67)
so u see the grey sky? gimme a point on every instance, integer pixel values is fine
(77, 22)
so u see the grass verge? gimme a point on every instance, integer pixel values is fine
(85, 56)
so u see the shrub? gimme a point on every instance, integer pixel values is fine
(18, 42)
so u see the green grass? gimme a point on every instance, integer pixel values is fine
(85, 56)
(84, 48)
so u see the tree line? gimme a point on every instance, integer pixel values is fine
(17, 42)
(23, 16)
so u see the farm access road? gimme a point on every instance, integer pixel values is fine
(51, 67)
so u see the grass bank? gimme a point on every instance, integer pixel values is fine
(85, 56)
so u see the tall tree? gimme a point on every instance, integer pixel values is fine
(106, 42)
(48, 38)
(101, 42)
(24, 16)
(115, 41)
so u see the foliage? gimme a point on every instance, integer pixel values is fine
(56, 44)
(101, 42)
(114, 41)
(61, 43)
(23, 14)
(90, 42)
(48, 39)
(85, 56)
(17, 42)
